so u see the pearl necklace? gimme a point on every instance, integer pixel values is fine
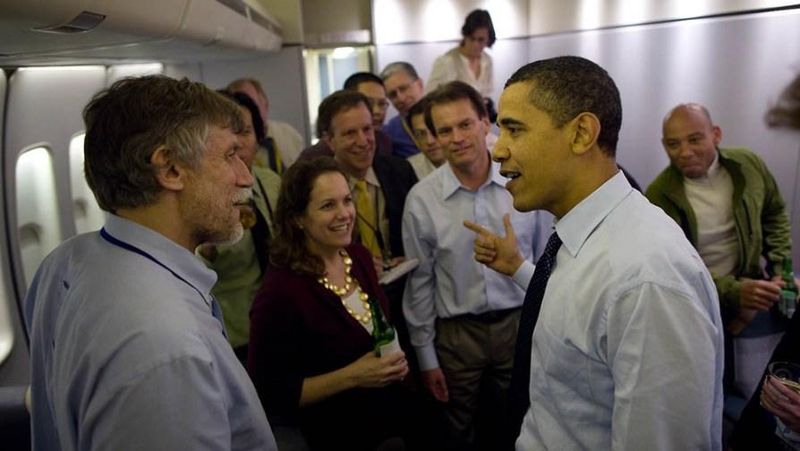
(349, 283)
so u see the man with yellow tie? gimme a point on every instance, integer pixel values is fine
(379, 183)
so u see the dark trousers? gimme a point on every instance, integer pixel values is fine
(476, 354)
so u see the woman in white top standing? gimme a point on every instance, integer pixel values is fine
(468, 62)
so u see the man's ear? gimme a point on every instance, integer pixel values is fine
(326, 137)
(487, 126)
(585, 129)
(169, 174)
(716, 135)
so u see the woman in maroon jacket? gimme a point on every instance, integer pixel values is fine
(311, 353)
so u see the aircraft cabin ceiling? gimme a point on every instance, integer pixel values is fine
(77, 31)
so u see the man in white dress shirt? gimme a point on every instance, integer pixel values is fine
(627, 349)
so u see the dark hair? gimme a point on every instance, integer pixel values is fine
(417, 108)
(452, 92)
(127, 122)
(333, 104)
(289, 249)
(399, 66)
(479, 18)
(786, 113)
(352, 83)
(244, 100)
(566, 86)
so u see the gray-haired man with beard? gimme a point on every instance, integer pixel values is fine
(128, 350)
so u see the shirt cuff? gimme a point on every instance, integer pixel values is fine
(427, 357)
(524, 274)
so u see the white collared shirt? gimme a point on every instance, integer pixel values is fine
(448, 280)
(628, 350)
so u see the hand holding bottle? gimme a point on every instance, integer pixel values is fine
(759, 294)
(371, 371)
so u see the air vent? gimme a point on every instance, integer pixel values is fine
(246, 11)
(264, 22)
(83, 22)
(236, 5)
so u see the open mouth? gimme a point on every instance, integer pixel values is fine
(510, 174)
(341, 227)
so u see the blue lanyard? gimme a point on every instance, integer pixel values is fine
(215, 311)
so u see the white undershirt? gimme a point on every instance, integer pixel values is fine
(711, 198)
(353, 300)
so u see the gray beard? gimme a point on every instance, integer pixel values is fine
(237, 236)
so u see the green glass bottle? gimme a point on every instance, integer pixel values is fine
(384, 338)
(788, 301)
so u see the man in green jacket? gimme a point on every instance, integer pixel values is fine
(728, 205)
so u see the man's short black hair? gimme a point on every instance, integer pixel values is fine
(357, 78)
(566, 86)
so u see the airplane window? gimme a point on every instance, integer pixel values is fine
(88, 215)
(327, 69)
(6, 331)
(38, 225)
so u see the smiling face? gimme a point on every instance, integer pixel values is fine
(215, 190)
(352, 139)
(690, 140)
(329, 216)
(461, 133)
(533, 153)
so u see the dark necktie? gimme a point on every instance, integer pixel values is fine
(519, 396)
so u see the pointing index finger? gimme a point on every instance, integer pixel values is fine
(477, 228)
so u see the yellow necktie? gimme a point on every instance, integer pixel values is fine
(278, 160)
(367, 219)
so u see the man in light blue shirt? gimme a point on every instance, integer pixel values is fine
(627, 352)
(462, 317)
(128, 350)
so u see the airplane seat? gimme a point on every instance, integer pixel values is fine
(15, 412)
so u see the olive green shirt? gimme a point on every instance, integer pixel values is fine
(238, 271)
